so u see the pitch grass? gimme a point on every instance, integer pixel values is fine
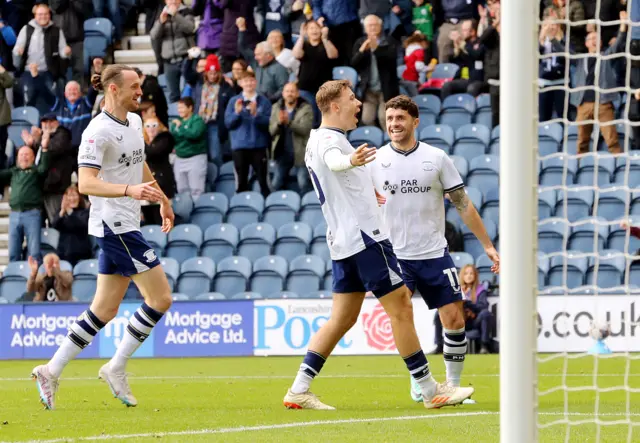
(197, 394)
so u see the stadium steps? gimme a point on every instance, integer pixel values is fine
(135, 56)
(137, 42)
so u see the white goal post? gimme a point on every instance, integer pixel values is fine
(518, 219)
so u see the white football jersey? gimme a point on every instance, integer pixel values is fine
(414, 183)
(116, 148)
(349, 205)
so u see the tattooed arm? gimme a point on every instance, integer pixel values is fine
(471, 218)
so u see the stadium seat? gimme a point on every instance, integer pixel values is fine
(628, 170)
(553, 234)
(95, 44)
(101, 26)
(546, 202)
(182, 206)
(196, 275)
(618, 240)
(212, 176)
(635, 203)
(26, 115)
(305, 274)
(475, 196)
(318, 294)
(245, 208)
(293, 240)
(346, 73)
(611, 203)
(311, 211)
(173, 111)
(319, 242)
(549, 138)
(184, 242)
(461, 259)
(372, 135)
(471, 244)
(220, 241)
(176, 296)
(13, 283)
(573, 265)
(268, 275)
(543, 269)
(634, 274)
(49, 239)
(429, 106)
(85, 274)
(471, 141)
(595, 169)
(491, 206)
(457, 110)
(232, 276)
(589, 233)
(209, 209)
(210, 296)
(483, 265)
(281, 295)
(483, 115)
(606, 269)
(226, 181)
(327, 281)
(247, 296)
(256, 240)
(171, 269)
(578, 200)
(462, 165)
(155, 237)
(554, 168)
(445, 71)
(484, 172)
(281, 208)
(440, 136)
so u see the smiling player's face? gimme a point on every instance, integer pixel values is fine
(130, 92)
(400, 125)
(348, 109)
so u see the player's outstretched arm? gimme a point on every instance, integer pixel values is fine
(166, 211)
(337, 161)
(471, 218)
(90, 184)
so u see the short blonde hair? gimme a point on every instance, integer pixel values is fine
(329, 92)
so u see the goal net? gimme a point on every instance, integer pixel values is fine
(587, 366)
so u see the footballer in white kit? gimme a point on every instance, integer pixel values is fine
(413, 178)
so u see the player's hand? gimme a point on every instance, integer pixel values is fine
(33, 264)
(166, 212)
(495, 258)
(381, 198)
(363, 155)
(145, 191)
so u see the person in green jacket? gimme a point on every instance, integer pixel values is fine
(190, 135)
(26, 181)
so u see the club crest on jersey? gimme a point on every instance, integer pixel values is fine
(427, 166)
(150, 255)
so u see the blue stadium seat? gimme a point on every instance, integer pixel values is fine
(319, 242)
(15, 272)
(400, 70)
(268, 275)
(327, 281)
(634, 275)
(553, 234)
(346, 73)
(429, 107)
(571, 146)
(210, 296)
(494, 147)
(458, 110)
(212, 176)
(27, 115)
(549, 138)
(606, 269)
(445, 70)
(196, 275)
(173, 111)
(491, 206)
(101, 26)
(232, 276)
(553, 171)
(596, 169)
(177, 296)
(311, 211)
(366, 134)
(628, 170)
(484, 172)
(256, 241)
(183, 242)
(571, 264)
(471, 244)
(226, 181)
(155, 237)
(578, 200)
(220, 241)
(245, 208)
(85, 274)
(95, 45)
(475, 196)
(305, 274)
(635, 203)
(588, 234)
(281, 208)
(543, 269)
(281, 295)
(483, 114)
(483, 265)
(618, 240)
(471, 141)
(171, 269)
(317, 294)
(209, 209)
(247, 296)
(461, 259)
(462, 165)
(293, 240)
(182, 206)
(612, 203)
(49, 239)
(547, 199)
(440, 136)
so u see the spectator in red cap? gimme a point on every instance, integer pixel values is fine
(211, 95)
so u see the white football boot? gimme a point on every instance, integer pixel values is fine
(306, 400)
(118, 384)
(447, 395)
(47, 386)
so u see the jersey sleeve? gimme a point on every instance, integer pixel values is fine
(449, 175)
(91, 151)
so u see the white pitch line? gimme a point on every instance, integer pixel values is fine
(270, 377)
(241, 429)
